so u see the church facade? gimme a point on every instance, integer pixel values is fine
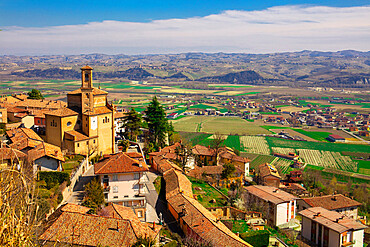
(86, 125)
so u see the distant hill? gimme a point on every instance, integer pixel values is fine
(131, 74)
(243, 77)
(57, 73)
(52, 73)
(179, 75)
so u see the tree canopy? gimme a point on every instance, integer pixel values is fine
(133, 123)
(35, 94)
(228, 170)
(157, 123)
(94, 196)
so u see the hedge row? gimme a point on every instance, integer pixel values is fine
(256, 238)
(53, 178)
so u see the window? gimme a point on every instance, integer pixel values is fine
(115, 197)
(78, 145)
(139, 214)
(136, 175)
(115, 177)
(115, 189)
(94, 141)
(69, 123)
(87, 142)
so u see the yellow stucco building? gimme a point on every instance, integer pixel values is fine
(87, 124)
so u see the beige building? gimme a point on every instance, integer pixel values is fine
(328, 228)
(87, 124)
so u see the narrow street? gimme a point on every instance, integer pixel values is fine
(78, 190)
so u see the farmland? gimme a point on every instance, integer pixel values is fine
(334, 147)
(282, 164)
(328, 159)
(255, 144)
(261, 159)
(223, 125)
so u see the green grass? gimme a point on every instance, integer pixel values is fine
(194, 137)
(363, 166)
(248, 93)
(201, 106)
(233, 141)
(207, 194)
(269, 113)
(319, 168)
(237, 225)
(278, 106)
(261, 159)
(326, 146)
(223, 125)
(158, 184)
(320, 136)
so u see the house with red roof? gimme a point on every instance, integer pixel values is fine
(123, 177)
(338, 203)
(326, 228)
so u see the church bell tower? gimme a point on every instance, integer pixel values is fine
(86, 75)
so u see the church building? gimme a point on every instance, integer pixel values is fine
(86, 125)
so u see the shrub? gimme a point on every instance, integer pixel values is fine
(53, 178)
(256, 238)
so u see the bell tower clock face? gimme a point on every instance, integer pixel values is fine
(94, 123)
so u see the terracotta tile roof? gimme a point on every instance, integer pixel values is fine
(177, 183)
(202, 150)
(21, 115)
(197, 172)
(95, 91)
(270, 194)
(41, 103)
(20, 133)
(163, 164)
(98, 111)
(331, 219)
(233, 157)
(45, 149)
(331, 202)
(62, 112)
(267, 170)
(77, 136)
(87, 67)
(25, 143)
(120, 163)
(14, 109)
(119, 114)
(74, 208)
(203, 222)
(21, 96)
(90, 230)
(11, 154)
(126, 213)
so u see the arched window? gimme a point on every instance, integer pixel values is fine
(69, 123)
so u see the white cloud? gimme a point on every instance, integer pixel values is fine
(283, 28)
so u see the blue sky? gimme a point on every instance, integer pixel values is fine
(39, 13)
(37, 27)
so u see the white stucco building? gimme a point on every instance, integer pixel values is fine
(278, 206)
(329, 228)
(123, 177)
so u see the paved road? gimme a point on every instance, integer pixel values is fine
(78, 191)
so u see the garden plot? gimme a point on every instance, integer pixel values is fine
(328, 159)
(255, 144)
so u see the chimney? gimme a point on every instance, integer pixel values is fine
(153, 225)
(318, 214)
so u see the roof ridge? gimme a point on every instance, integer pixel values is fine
(214, 223)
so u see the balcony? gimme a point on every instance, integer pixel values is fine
(106, 189)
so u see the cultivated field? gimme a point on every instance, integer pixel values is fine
(223, 125)
(328, 159)
(282, 164)
(282, 150)
(255, 144)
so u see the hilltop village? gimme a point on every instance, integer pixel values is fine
(105, 175)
